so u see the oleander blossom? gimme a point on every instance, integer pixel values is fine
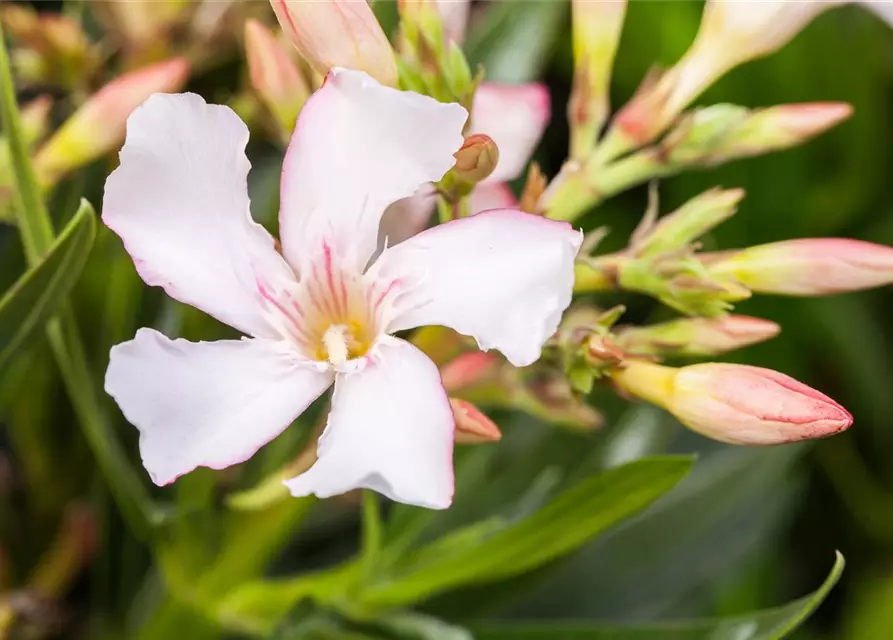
(324, 310)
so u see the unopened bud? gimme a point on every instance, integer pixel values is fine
(779, 127)
(696, 217)
(99, 125)
(275, 76)
(476, 159)
(735, 403)
(472, 426)
(731, 33)
(469, 369)
(338, 33)
(596, 33)
(140, 22)
(807, 266)
(696, 336)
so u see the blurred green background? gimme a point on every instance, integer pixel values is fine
(748, 529)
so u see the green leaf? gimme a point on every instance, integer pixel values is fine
(514, 39)
(771, 624)
(36, 231)
(565, 523)
(36, 296)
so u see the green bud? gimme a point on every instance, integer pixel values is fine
(696, 217)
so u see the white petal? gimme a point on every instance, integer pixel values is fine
(515, 116)
(408, 216)
(492, 195)
(179, 201)
(390, 430)
(503, 277)
(882, 8)
(207, 404)
(358, 147)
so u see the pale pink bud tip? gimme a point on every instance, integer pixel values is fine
(750, 405)
(472, 426)
(338, 33)
(809, 119)
(476, 159)
(808, 266)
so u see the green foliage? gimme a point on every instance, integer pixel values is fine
(36, 296)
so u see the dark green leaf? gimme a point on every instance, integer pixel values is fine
(36, 296)
(565, 523)
(771, 624)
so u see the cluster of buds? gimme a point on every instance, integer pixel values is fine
(662, 261)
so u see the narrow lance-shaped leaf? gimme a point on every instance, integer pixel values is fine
(36, 296)
(770, 624)
(568, 521)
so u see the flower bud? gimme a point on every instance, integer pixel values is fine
(806, 267)
(476, 159)
(596, 32)
(98, 126)
(472, 426)
(338, 33)
(141, 22)
(275, 76)
(469, 369)
(696, 336)
(723, 132)
(731, 33)
(735, 403)
(696, 217)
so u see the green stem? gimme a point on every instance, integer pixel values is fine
(36, 231)
(372, 533)
(579, 187)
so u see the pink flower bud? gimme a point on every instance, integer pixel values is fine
(476, 158)
(735, 403)
(338, 33)
(807, 266)
(98, 126)
(472, 426)
(469, 369)
(274, 75)
(697, 336)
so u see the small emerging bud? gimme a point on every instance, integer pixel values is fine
(338, 33)
(735, 403)
(693, 219)
(275, 76)
(472, 426)
(601, 351)
(806, 267)
(98, 126)
(476, 159)
(696, 336)
(596, 32)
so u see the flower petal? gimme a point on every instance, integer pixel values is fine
(207, 404)
(515, 116)
(492, 195)
(502, 276)
(358, 147)
(408, 216)
(390, 430)
(179, 201)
